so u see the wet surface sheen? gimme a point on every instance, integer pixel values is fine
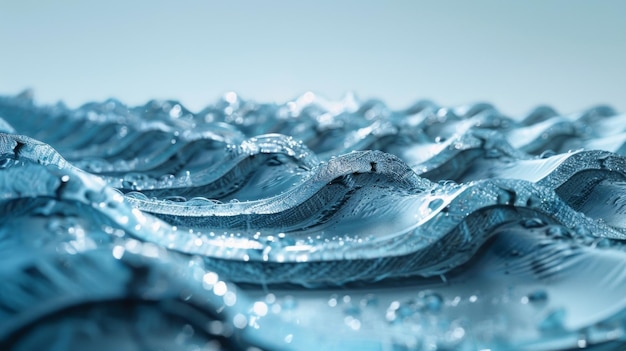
(310, 225)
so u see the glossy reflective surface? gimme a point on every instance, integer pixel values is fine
(342, 225)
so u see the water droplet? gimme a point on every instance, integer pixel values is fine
(602, 243)
(240, 321)
(95, 197)
(288, 338)
(175, 199)
(435, 204)
(454, 336)
(506, 196)
(270, 298)
(582, 341)
(533, 201)
(216, 328)
(607, 162)
(558, 232)
(5, 162)
(332, 302)
(582, 231)
(533, 223)
(260, 308)
(353, 323)
(537, 296)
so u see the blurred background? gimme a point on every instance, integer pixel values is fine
(569, 54)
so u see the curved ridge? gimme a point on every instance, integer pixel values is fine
(436, 228)
(227, 171)
(315, 193)
(307, 115)
(151, 144)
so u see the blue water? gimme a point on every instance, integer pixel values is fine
(310, 225)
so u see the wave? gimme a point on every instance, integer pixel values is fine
(428, 229)
(162, 139)
(309, 197)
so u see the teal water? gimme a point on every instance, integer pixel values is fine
(310, 225)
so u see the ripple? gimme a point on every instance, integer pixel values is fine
(435, 215)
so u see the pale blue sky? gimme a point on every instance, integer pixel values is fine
(516, 54)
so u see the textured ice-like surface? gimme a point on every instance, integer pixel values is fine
(311, 225)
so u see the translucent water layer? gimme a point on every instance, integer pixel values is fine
(310, 225)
